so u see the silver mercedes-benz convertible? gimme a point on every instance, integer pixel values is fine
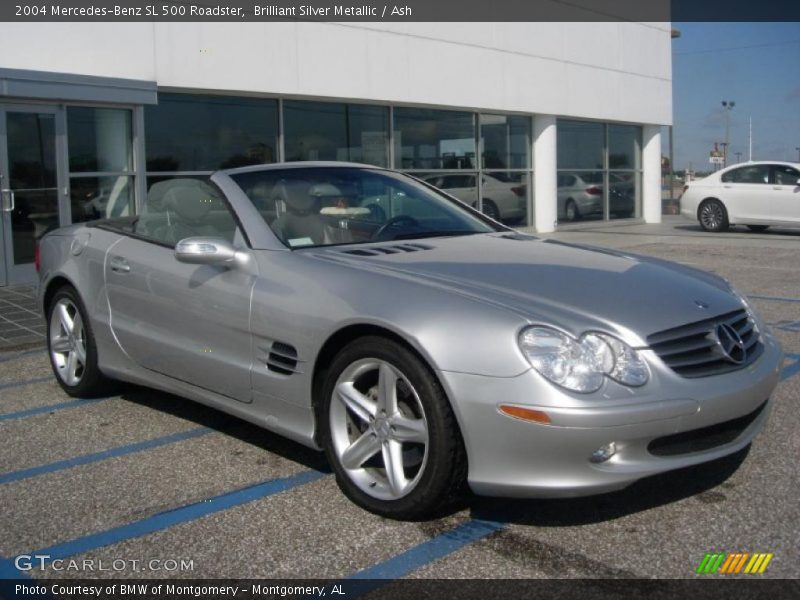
(423, 346)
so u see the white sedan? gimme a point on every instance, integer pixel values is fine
(755, 194)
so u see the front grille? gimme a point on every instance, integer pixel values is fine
(706, 438)
(695, 350)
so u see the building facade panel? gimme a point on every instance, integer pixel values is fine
(497, 114)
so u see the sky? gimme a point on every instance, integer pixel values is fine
(756, 65)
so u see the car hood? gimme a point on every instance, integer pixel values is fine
(571, 286)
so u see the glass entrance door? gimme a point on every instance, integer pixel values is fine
(30, 179)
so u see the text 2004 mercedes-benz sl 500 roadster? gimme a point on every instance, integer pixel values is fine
(423, 346)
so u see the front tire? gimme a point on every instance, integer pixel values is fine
(72, 348)
(713, 216)
(389, 433)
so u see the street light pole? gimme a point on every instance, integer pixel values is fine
(738, 157)
(727, 106)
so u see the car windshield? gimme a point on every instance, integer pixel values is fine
(323, 206)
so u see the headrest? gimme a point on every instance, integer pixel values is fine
(191, 199)
(296, 195)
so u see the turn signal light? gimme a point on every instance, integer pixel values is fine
(526, 414)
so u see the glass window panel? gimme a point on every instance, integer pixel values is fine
(750, 174)
(623, 146)
(580, 196)
(624, 194)
(786, 175)
(204, 133)
(99, 139)
(101, 197)
(580, 145)
(434, 139)
(505, 141)
(463, 186)
(331, 131)
(505, 196)
(31, 150)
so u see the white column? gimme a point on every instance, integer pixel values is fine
(545, 197)
(651, 173)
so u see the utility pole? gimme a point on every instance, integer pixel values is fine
(750, 137)
(738, 157)
(727, 106)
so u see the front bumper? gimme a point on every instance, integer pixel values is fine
(515, 458)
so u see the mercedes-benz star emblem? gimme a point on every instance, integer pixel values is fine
(731, 344)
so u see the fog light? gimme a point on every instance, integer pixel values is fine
(603, 453)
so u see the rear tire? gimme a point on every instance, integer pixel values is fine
(713, 216)
(72, 348)
(571, 211)
(490, 210)
(758, 228)
(389, 432)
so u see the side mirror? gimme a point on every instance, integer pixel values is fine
(205, 251)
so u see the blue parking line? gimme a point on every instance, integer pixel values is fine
(792, 369)
(85, 459)
(177, 516)
(774, 298)
(16, 384)
(48, 408)
(9, 571)
(21, 355)
(422, 554)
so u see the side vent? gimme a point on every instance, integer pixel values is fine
(282, 359)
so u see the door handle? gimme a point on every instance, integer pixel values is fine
(727, 187)
(10, 207)
(776, 187)
(119, 264)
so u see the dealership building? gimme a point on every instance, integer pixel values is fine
(540, 125)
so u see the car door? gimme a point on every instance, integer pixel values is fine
(190, 322)
(746, 193)
(785, 194)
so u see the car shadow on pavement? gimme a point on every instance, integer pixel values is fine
(773, 231)
(697, 481)
(205, 416)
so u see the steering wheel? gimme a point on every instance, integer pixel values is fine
(405, 220)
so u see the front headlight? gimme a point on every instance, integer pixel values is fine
(582, 365)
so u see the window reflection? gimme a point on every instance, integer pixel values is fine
(580, 145)
(623, 190)
(505, 141)
(580, 195)
(99, 139)
(204, 133)
(599, 171)
(332, 131)
(101, 197)
(434, 139)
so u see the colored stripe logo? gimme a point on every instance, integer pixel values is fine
(734, 563)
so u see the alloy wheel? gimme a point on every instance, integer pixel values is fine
(67, 342)
(711, 215)
(379, 429)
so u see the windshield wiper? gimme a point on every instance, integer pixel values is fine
(425, 234)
